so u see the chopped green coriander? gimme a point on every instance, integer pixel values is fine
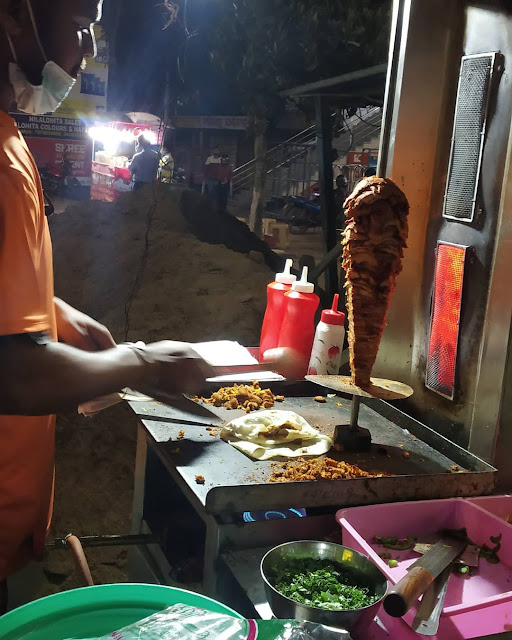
(321, 583)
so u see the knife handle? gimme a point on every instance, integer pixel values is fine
(406, 592)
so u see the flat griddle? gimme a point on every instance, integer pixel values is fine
(434, 468)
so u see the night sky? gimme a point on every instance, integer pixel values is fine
(144, 54)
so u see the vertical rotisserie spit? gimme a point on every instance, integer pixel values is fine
(373, 246)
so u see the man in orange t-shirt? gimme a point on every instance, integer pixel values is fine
(42, 48)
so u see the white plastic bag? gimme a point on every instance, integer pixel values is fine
(182, 622)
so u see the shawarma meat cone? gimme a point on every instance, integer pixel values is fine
(373, 247)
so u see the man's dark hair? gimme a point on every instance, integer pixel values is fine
(144, 142)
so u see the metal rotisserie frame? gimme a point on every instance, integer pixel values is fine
(433, 37)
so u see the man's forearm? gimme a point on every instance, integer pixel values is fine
(43, 379)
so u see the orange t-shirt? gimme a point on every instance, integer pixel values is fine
(26, 306)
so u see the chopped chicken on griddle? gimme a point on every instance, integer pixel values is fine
(373, 247)
(243, 396)
(318, 469)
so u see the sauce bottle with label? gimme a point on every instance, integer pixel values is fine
(328, 342)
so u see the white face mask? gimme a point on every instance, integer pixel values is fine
(43, 98)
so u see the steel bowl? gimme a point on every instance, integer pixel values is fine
(359, 564)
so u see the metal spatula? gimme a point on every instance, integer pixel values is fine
(426, 620)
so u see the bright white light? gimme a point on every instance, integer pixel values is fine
(111, 138)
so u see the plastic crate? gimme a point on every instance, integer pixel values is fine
(475, 605)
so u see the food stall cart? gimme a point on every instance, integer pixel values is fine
(447, 142)
(114, 145)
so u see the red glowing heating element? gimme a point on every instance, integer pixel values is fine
(444, 323)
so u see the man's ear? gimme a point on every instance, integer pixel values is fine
(14, 16)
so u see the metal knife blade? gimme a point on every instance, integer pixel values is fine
(439, 555)
(469, 557)
(420, 576)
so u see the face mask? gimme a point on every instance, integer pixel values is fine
(43, 98)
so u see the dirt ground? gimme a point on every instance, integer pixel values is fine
(143, 264)
(188, 290)
(93, 494)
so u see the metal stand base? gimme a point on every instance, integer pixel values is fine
(353, 438)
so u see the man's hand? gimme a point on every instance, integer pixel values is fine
(171, 368)
(77, 329)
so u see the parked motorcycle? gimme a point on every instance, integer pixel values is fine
(179, 176)
(303, 213)
(55, 181)
(50, 181)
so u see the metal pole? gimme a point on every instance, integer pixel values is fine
(333, 255)
(122, 540)
(324, 146)
(354, 412)
(391, 80)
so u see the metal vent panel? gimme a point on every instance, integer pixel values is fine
(468, 136)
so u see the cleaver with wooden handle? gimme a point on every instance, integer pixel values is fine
(420, 575)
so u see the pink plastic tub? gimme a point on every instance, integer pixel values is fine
(475, 605)
(500, 506)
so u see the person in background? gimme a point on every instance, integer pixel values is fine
(210, 172)
(337, 168)
(66, 168)
(52, 356)
(224, 177)
(370, 171)
(341, 192)
(144, 164)
(214, 157)
(166, 166)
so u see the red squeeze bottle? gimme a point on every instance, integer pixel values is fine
(298, 328)
(275, 309)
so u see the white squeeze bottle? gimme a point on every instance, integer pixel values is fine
(328, 342)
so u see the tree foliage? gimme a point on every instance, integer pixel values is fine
(265, 46)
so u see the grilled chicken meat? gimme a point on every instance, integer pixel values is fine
(373, 247)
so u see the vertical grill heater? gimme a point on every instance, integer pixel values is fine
(445, 318)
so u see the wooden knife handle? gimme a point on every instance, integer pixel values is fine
(406, 592)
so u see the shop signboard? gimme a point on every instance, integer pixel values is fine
(358, 157)
(88, 97)
(51, 139)
(233, 123)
